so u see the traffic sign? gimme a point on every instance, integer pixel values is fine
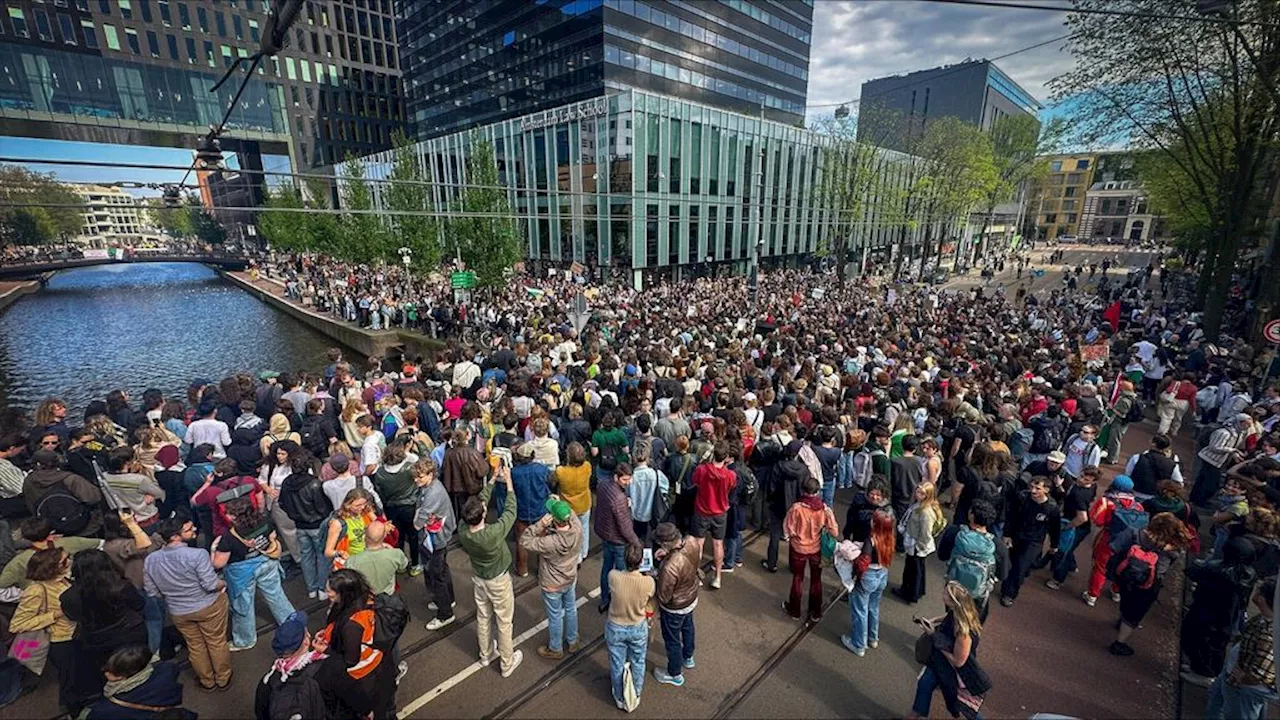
(462, 280)
(1272, 332)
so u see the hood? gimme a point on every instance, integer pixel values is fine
(296, 481)
(161, 688)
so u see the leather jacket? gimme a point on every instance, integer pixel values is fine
(678, 578)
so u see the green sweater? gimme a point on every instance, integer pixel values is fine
(487, 547)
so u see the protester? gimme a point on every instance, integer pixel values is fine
(864, 601)
(954, 649)
(357, 672)
(106, 608)
(40, 608)
(626, 630)
(291, 688)
(677, 597)
(557, 537)
(614, 528)
(922, 522)
(138, 687)
(807, 519)
(572, 481)
(1140, 559)
(1246, 685)
(379, 562)
(303, 498)
(486, 547)
(436, 524)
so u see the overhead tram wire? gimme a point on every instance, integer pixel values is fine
(1102, 11)
(945, 73)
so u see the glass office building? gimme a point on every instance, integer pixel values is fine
(475, 62)
(644, 184)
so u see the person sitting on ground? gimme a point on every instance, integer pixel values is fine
(139, 688)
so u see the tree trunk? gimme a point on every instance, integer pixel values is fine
(1219, 272)
(839, 249)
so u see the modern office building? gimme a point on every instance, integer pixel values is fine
(894, 110)
(139, 72)
(1058, 197)
(111, 217)
(471, 63)
(643, 184)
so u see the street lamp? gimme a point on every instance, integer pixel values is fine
(406, 256)
(753, 281)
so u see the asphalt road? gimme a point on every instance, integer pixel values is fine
(1045, 654)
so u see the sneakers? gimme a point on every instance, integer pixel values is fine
(546, 652)
(237, 648)
(1006, 601)
(690, 664)
(1115, 597)
(726, 568)
(437, 623)
(433, 607)
(574, 647)
(787, 610)
(715, 582)
(1052, 584)
(488, 658)
(661, 676)
(516, 658)
(415, 571)
(401, 670)
(1088, 599)
(768, 568)
(873, 644)
(738, 564)
(847, 642)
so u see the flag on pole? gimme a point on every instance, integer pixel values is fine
(1112, 315)
(1115, 389)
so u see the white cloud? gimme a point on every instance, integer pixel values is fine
(859, 40)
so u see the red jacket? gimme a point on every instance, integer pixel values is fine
(713, 483)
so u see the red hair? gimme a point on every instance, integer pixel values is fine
(882, 537)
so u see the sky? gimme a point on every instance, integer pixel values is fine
(859, 40)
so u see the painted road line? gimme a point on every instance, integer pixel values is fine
(475, 667)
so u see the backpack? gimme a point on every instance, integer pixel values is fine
(609, 457)
(1207, 398)
(1046, 438)
(748, 486)
(1138, 568)
(973, 562)
(1133, 517)
(1020, 441)
(313, 438)
(298, 698)
(861, 469)
(66, 514)
(1136, 412)
(391, 617)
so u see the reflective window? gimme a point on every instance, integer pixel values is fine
(43, 28)
(68, 29)
(18, 21)
(113, 40)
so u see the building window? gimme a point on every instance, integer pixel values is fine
(202, 18)
(1071, 217)
(113, 40)
(18, 21)
(165, 16)
(43, 28)
(184, 16)
(1070, 191)
(1082, 164)
(1051, 218)
(126, 9)
(209, 57)
(90, 34)
(1074, 179)
(131, 36)
(153, 44)
(173, 46)
(253, 31)
(104, 6)
(1055, 166)
(145, 7)
(227, 57)
(192, 56)
(68, 29)
(238, 26)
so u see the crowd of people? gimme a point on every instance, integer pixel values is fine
(970, 426)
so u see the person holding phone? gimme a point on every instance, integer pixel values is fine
(486, 547)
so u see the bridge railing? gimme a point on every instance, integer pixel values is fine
(132, 256)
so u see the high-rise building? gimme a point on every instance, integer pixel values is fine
(894, 110)
(471, 63)
(139, 72)
(111, 217)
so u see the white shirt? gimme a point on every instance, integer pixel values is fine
(465, 373)
(209, 431)
(336, 489)
(1145, 350)
(371, 451)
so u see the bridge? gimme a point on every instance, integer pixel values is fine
(39, 268)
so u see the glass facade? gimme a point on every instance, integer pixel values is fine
(336, 99)
(474, 62)
(649, 183)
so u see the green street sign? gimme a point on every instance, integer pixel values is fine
(462, 280)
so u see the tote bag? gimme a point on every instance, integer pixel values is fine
(31, 648)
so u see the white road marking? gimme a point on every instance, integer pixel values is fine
(475, 667)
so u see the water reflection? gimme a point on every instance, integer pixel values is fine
(139, 326)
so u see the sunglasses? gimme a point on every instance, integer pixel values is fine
(48, 442)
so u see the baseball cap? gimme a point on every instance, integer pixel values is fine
(559, 509)
(268, 374)
(290, 634)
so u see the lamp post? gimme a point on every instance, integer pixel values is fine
(753, 281)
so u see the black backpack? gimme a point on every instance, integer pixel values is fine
(313, 438)
(390, 618)
(1136, 413)
(748, 486)
(298, 698)
(66, 514)
(1045, 437)
(609, 456)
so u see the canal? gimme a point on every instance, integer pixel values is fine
(134, 327)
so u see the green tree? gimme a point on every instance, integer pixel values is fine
(1201, 94)
(60, 215)
(958, 171)
(485, 228)
(281, 223)
(205, 227)
(1016, 143)
(363, 236)
(323, 228)
(408, 193)
(851, 175)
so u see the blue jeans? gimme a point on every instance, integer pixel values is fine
(613, 558)
(1065, 561)
(562, 616)
(678, 636)
(242, 578)
(626, 643)
(1231, 702)
(585, 519)
(829, 493)
(926, 684)
(315, 566)
(732, 551)
(864, 606)
(153, 613)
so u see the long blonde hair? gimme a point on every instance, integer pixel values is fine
(352, 410)
(963, 610)
(930, 501)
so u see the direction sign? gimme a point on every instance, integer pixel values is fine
(462, 280)
(1272, 332)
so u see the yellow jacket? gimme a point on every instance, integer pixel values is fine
(36, 609)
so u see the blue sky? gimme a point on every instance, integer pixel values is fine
(14, 147)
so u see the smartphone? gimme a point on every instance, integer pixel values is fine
(126, 512)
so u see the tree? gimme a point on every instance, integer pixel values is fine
(174, 221)
(958, 171)
(362, 234)
(60, 213)
(408, 193)
(485, 228)
(205, 227)
(1016, 143)
(281, 224)
(851, 173)
(322, 227)
(1200, 94)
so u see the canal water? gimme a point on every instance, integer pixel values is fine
(134, 327)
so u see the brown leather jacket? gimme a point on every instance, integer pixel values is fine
(678, 578)
(464, 470)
